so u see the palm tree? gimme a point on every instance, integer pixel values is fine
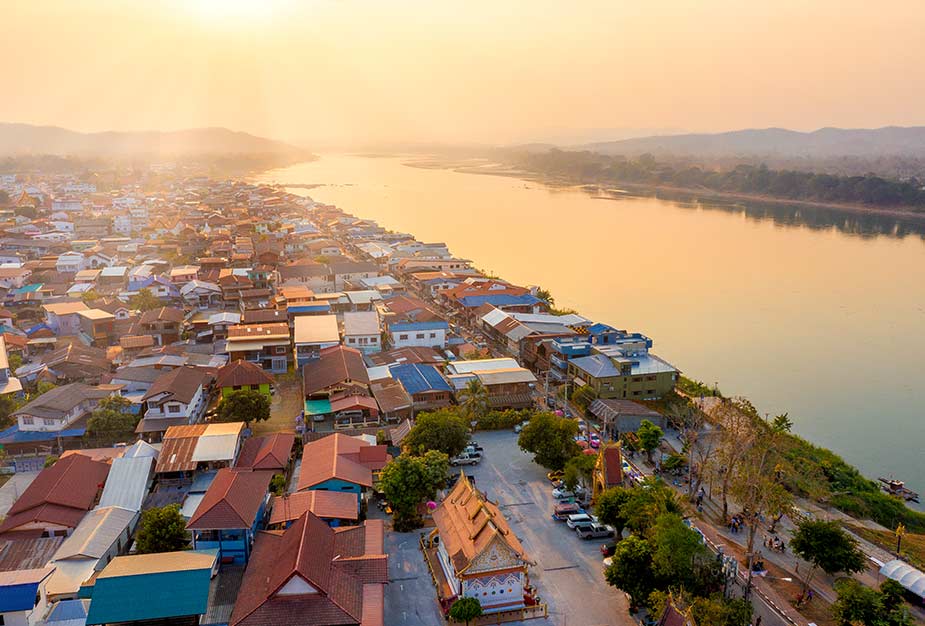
(475, 403)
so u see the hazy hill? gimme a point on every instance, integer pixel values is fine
(29, 139)
(822, 143)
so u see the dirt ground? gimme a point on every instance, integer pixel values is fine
(287, 403)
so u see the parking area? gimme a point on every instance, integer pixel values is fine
(568, 572)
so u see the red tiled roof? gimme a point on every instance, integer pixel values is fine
(270, 452)
(336, 365)
(232, 500)
(337, 563)
(337, 456)
(324, 504)
(241, 373)
(60, 494)
(613, 466)
(355, 402)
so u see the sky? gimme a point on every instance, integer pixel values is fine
(358, 72)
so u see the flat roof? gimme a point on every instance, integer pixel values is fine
(316, 329)
(141, 564)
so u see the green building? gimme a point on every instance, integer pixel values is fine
(614, 373)
(242, 374)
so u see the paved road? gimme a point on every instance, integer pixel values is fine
(568, 571)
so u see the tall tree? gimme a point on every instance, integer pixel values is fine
(650, 436)
(737, 432)
(475, 400)
(551, 439)
(578, 471)
(466, 609)
(162, 529)
(631, 570)
(444, 430)
(144, 300)
(409, 481)
(826, 546)
(244, 405)
(609, 508)
(112, 417)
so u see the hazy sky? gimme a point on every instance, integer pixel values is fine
(487, 71)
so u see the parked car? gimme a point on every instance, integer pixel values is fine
(607, 562)
(520, 426)
(472, 451)
(475, 446)
(561, 493)
(465, 459)
(608, 549)
(555, 476)
(562, 511)
(594, 531)
(578, 519)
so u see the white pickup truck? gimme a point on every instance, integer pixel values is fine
(465, 459)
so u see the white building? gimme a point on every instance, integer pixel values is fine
(362, 331)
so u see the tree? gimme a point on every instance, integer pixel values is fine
(8, 405)
(609, 508)
(444, 430)
(475, 400)
(631, 570)
(583, 397)
(551, 439)
(243, 405)
(89, 296)
(647, 502)
(679, 557)
(858, 604)
(737, 431)
(409, 481)
(578, 470)
(827, 546)
(162, 529)
(465, 610)
(278, 485)
(112, 416)
(650, 436)
(718, 611)
(144, 300)
(14, 360)
(782, 423)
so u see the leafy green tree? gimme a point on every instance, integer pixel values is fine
(650, 436)
(827, 546)
(144, 300)
(680, 557)
(409, 481)
(14, 360)
(858, 604)
(50, 460)
(112, 416)
(475, 400)
(162, 529)
(244, 405)
(278, 485)
(89, 295)
(578, 470)
(583, 397)
(631, 570)
(718, 611)
(647, 502)
(465, 610)
(444, 430)
(544, 294)
(782, 423)
(8, 404)
(609, 508)
(551, 439)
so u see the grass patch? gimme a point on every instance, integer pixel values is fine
(913, 545)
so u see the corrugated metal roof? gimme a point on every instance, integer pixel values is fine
(222, 447)
(127, 484)
(159, 563)
(95, 534)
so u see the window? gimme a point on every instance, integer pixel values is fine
(419, 336)
(650, 392)
(351, 340)
(173, 408)
(280, 349)
(255, 387)
(403, 336)
(49, 422)
(346, 488)
(28, 420)
(433, 335)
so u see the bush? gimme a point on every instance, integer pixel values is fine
(502, 420)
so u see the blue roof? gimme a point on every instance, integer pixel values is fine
(14, 435)
(28, 288)
(418, 326)
(500, 299)
(309, 308)
(418, 378)
(19, 597)
(598, 328)
(65, 610)
(34, 329)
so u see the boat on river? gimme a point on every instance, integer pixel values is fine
(898, 489)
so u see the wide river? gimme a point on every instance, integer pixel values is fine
(805, 311)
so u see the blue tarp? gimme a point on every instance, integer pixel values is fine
(474, 302)
(14, 435)
(418, 378)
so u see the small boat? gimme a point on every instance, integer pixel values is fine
(898, 488)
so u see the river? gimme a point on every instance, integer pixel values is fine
(806, 311)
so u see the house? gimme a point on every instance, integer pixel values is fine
(361, 330)
(474, 553)
(312, 334)
(96, 327)
(77, 362)
(23, 600)
(198, 447)
(424, 334)
(333, 507)
(623, 416)
(270, 452)
(70, 263)
(425, 384)
(240, 374)
(230, 513)
(61, 408)
(339, 371)
(14, 277)
(394, 402)
(129, 478)
(183, 274)
(315, 575)
(59, 497)
(102, 535)
(345, 273)
(613, 372)
(267, 345)
(341, 463)
(201, 294)
(62, 317)
(163, 588)
(508, 385)
(8, 384)
(608, 469)
(162, 323)
(178, 396)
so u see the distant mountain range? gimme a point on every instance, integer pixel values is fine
(30, 139)
(822, 143)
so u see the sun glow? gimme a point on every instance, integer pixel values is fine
(234, 11)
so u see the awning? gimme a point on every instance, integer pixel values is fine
(317, 407)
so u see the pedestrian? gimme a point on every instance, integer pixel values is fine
(758, 621)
